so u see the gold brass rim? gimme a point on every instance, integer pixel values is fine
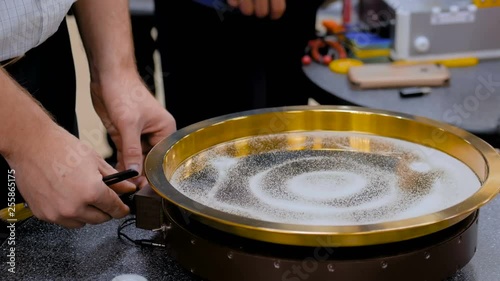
(478, 155)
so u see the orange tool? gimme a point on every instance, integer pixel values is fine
(341, 52)
(333, 27)
(314, 46)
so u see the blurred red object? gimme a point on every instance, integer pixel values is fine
(346, 12)
(313, 51)
(306, 60)
(327, 59)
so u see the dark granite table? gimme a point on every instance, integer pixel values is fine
(48, 252)
(471, 101)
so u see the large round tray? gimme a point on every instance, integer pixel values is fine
(166, 157)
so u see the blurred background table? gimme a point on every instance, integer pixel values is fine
(471, 101)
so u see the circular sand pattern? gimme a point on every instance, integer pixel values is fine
(338, 184)
(325, 185)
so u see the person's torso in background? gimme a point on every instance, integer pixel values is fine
(142, 7)
(28, 23)
(147, 7)
(215, 4)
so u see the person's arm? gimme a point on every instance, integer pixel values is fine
(58, 176)
(105, 29)
(260, 8)
(23, 118)
(134, 119)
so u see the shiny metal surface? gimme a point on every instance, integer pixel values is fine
(168, 155)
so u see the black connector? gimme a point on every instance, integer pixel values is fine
(414, 92)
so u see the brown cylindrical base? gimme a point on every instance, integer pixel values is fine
(219, 256)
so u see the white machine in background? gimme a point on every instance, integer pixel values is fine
(436, 29)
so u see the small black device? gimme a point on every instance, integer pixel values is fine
(414, 92)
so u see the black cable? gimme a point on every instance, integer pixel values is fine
(138, 242)
(122, 226)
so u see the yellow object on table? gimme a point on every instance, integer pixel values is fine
(451, 63)
(342, 66)
(486, 3)
(371, 53)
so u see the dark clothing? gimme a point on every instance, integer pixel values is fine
(145, 46)
(218, 61)
(48, 73)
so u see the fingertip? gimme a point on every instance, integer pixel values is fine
(121, 211)
(261, 14)
(137, 181)
(112, 205)
(261, 8)
(71, 224)
(247, 7)
(75, 226)
(278, 8)
(233, 3)
(125, 212)
(143, 182)
(277, 14)
(134, 166)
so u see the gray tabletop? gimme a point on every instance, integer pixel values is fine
(48, 252)
(471, 101)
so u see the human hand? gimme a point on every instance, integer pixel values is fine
(60, 178)
(133, 117)
(261, 8)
